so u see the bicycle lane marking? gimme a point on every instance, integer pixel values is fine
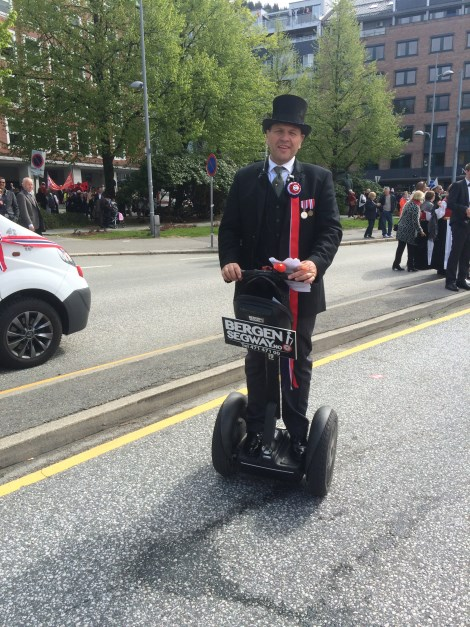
(97, 451)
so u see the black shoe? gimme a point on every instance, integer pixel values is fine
(396, 266)
(452, 286)
(253, 443)
(412, 269)
(463, 285)
(298, 446)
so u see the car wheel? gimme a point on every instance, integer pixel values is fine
(30, 332)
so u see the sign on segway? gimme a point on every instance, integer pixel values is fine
(260, 337)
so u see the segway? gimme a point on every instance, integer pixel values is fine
(263, 322)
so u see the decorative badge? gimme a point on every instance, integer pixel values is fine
(294, 189)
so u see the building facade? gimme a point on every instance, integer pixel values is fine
(423, 47)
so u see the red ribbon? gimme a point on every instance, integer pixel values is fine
(28, 241)
(294, 254)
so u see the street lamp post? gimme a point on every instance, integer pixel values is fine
(431, 134)
(457, 130)
(154, 220)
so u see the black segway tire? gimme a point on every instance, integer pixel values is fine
(321, 451)
(229, 431)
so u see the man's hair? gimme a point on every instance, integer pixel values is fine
(467, 167)
(429, 195)
(26, 178)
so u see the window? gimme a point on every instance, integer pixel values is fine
(13, 133)
(440, 130)
(440, 71)
(410, 19)
(405, 77)
(441, 102)
(465, 100)
(407, 48)
(404, 105)
(375, 53)
(442, 43)
(403, 161)
(466, 70)
(307, 60)
(437, 15)
(468, 40)
(406, 133)
(63, 139)
(5, 6)
(32, 52)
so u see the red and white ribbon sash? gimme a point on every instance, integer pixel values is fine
(28, 241)
(294, 254)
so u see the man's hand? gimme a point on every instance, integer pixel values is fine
(468, 212)
(306, 272)
(231, 272)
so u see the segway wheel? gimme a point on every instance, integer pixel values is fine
(321, 451)
(229, 431)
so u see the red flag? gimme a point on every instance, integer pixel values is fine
(68, 182)
(52, 185)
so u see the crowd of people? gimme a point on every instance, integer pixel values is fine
(433, 226)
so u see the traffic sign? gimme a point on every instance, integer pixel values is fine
(38, 158)
(211, 164)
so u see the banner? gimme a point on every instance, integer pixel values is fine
(38, 160)
(68, 186)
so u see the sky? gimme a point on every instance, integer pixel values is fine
(283, 4)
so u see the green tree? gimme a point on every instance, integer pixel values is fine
(71, 70)
(5, 48)
(350, 105)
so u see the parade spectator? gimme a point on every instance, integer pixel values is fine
(403, 200)
(387, 206)
(41, 196)
(30, 211)
(352, 202)
(370, 214)
(52, 202)
(459, 257)
(361, 203)
(8, 203)
(407, 231)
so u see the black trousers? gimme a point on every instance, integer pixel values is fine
(294, 399)
(459, 258)
(411, 254)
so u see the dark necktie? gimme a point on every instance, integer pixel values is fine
(278, 182)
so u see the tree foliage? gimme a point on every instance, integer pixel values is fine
(350, 105)
(70, 85)
(5, 46)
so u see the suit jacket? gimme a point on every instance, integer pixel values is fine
(320, 235)
(29, 211)
(9, 208)
(458, 202)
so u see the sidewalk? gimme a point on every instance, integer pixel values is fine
(82, 245)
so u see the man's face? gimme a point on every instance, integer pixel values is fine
(284, 142)
(28, 185)
(2, 184)
(467, 175)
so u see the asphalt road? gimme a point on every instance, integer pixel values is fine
(147, 534)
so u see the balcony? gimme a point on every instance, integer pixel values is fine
(289, 23)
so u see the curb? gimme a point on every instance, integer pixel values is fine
(20, 447)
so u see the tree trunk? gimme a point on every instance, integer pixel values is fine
(108, 171)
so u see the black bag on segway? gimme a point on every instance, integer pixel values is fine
(261, 299)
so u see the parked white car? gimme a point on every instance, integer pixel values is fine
(42, 294)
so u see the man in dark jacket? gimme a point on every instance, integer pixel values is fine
(459, 203)
(282, 208)
(8, 203)
(387, 206)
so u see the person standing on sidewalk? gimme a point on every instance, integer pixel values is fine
(370, 213)
(282, 208)
(388, 205)
(30, 212)
(8, 203)
(459, 257)
(408, 229)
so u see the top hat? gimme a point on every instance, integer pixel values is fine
(288, 109)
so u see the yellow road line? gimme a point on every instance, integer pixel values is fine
(110, 364)
(101, 449)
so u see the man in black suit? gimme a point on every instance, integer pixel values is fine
(30, 213)
(8, 203)
(459, 258)
(266, 215)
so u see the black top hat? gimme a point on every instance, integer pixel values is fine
(288, 109)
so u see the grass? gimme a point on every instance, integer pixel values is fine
(176, 231)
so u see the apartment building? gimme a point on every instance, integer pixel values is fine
(423, 47)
